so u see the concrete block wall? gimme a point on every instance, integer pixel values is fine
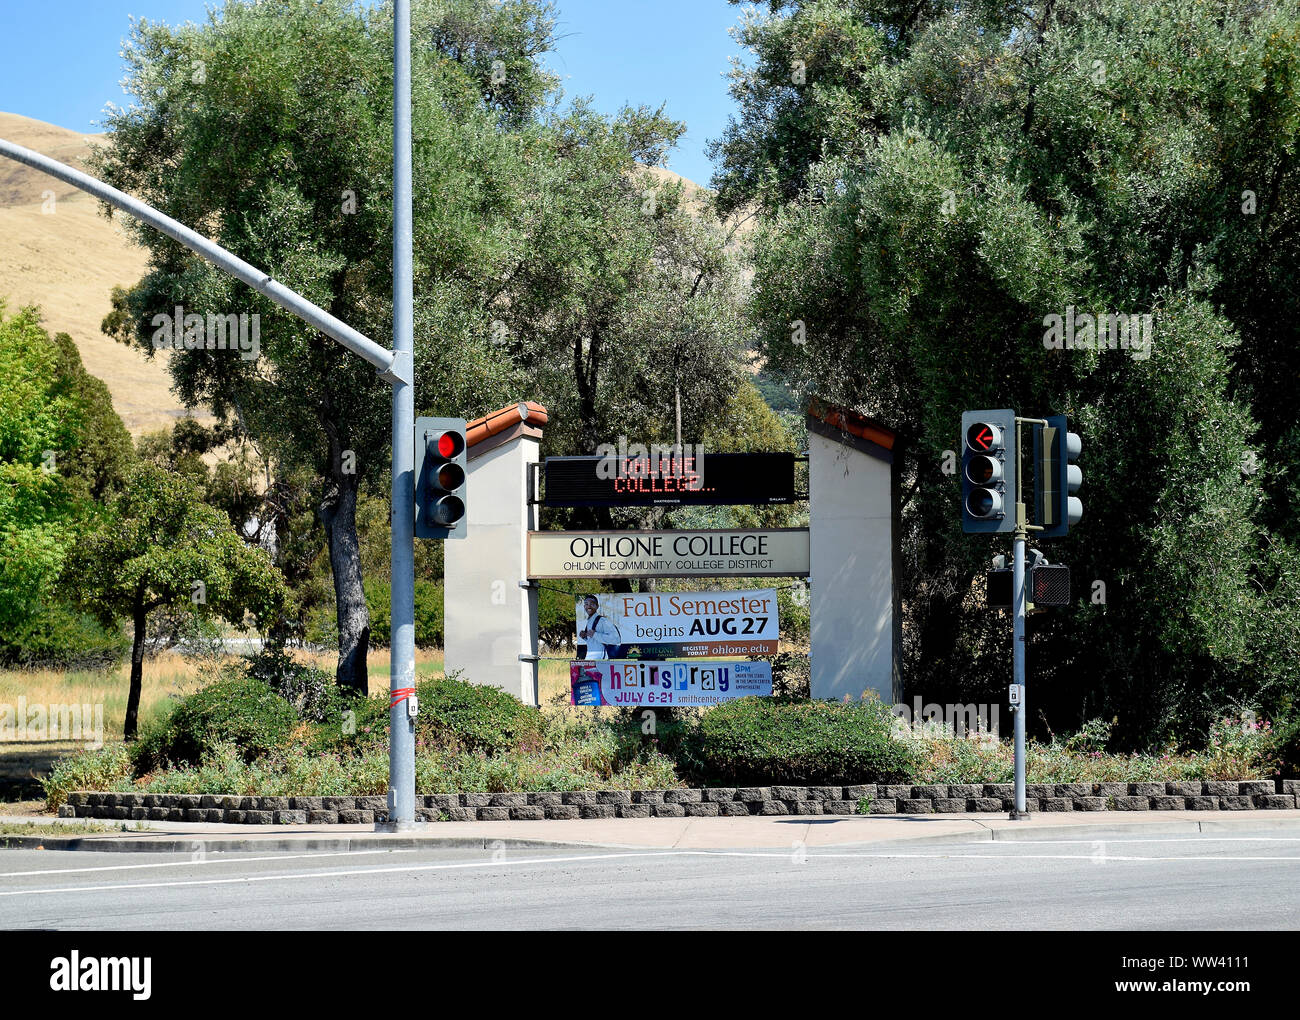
(876, 799)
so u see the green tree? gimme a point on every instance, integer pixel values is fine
(39, 423)
(947, 178)
(102, 453)
(159, 546)
(269, 127)
(625, 308)
(548, 260)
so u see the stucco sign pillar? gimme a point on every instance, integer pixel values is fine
(490, 617)
(853, 532)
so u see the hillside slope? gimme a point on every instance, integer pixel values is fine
(68, 261)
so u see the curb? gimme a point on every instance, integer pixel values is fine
(236, 844)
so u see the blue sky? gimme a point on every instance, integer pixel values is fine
(61, 61)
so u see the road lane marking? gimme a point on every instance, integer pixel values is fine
(958, 853)
(343, 873)
(204, 860)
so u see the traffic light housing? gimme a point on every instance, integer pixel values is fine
(1057, 477)
(1046, 584)
(441, 505)
(1049, 585)
(988, 471)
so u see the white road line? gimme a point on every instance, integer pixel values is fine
(464, 865)
(203, 860)
(334, 874)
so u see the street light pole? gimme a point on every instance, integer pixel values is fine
(401, 670)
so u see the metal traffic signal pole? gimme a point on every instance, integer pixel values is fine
(1018, 653)
(1018, 601)
(401, 663)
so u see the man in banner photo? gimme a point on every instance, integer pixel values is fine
(599, 632)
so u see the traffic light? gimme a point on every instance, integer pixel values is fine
(440, 497)
(988, 471)
(1057, 477)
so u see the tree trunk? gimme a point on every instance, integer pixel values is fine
(338, 513)
(132, 723)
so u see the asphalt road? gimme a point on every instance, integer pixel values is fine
(1242, 881)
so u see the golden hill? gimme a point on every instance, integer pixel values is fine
(67, 261)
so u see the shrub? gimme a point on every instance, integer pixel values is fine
(105, 769)
(311, 691)
(1286, 747)
(788, 740)
(240, 710)
(61, 638)
(791, 674)
(462, 716)
(1093, 736)
(557, 623)
(796, 620)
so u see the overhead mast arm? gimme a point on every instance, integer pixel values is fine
(392, 367)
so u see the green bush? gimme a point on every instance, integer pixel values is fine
(1286, 746)
(796, 620)
(758, 741)
(791, 674)
(311, 691)
(1094, 735)
(458, 715)
(105, 769)
(238, 710)
(59, 637)
(428, 613)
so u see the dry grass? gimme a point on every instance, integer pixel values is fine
(167, 678)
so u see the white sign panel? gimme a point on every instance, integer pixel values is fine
(780, 552)
(655, 625)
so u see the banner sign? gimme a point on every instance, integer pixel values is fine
(674, 625)
(624, 682)
(780, 552)
(685, 478)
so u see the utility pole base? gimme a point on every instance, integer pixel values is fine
(1019, 816)
(401, 826)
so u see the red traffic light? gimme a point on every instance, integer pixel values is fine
(983, 437)
(441, 508)
(450, 444)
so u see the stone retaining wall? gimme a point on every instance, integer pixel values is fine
(762, 800)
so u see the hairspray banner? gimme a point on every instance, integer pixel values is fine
(638, 682)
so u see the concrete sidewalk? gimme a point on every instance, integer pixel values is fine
(753, 832)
